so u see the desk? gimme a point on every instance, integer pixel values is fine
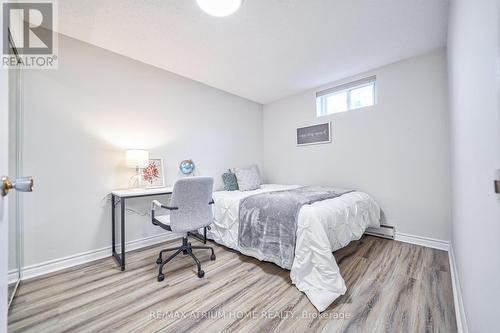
(123, 196)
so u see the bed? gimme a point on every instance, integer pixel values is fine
(322, 227)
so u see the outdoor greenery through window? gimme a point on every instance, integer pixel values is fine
(349, 96)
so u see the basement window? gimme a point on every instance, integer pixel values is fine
(349, 96)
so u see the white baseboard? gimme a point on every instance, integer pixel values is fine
(423, 241)
(457, 294)
(85, 257)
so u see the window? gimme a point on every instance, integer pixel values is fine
(349, 96)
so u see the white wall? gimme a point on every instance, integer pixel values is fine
(474, 69)
(397, 151)
(79, 119)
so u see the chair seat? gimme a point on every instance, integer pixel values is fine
(165, 219)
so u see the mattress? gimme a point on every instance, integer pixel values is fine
(323, 227)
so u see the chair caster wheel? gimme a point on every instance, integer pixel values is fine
(212, 257)
(161, 277)
(158, 261)
(201, 274)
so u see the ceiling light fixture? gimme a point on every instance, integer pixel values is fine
(219, 8)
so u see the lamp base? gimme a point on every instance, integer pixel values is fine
(135, 181)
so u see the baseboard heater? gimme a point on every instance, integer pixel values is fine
(385, 231)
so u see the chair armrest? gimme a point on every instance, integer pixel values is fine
(156, 203)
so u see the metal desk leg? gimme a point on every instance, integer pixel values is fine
(120, 258)
(122, 206)
(113, 224)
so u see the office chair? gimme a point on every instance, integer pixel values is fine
(190, 209)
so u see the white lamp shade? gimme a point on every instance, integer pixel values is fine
(137, 158)
(219, 7)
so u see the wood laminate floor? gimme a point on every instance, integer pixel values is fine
(391, 287)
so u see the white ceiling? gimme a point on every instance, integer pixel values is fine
(269, 49)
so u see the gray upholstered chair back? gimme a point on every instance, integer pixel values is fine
(192, 196)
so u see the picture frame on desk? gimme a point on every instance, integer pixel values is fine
(153, 175)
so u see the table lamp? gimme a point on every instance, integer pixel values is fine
(138, 159)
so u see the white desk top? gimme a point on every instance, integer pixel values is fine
(134, 192)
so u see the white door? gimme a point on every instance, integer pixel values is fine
(4, 144)
(3, 168)
(9, 93)
(3, 260)
(3, 206)
(3, 265)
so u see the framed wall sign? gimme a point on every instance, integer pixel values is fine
(314, 134)
(152, 175)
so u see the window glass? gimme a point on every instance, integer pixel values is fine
(361, 97)
(336, 102)
(346, 97)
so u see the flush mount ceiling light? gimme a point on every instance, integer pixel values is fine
(219, 7)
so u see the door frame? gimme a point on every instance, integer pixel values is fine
(14, 173)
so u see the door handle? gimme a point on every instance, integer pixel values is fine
(497, 186)
(23, 184)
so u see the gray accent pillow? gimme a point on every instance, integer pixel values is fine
(230, 181)
(248, 178)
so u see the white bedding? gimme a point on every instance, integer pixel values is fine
(323, 227)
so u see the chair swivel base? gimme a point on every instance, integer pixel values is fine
(186, 248)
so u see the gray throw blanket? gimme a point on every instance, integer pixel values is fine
(268, 221)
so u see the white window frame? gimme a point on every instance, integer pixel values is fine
(321, 96)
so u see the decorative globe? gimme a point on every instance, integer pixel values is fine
(187, 167)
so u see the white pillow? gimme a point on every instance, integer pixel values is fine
(248, 178)
(258, 172)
